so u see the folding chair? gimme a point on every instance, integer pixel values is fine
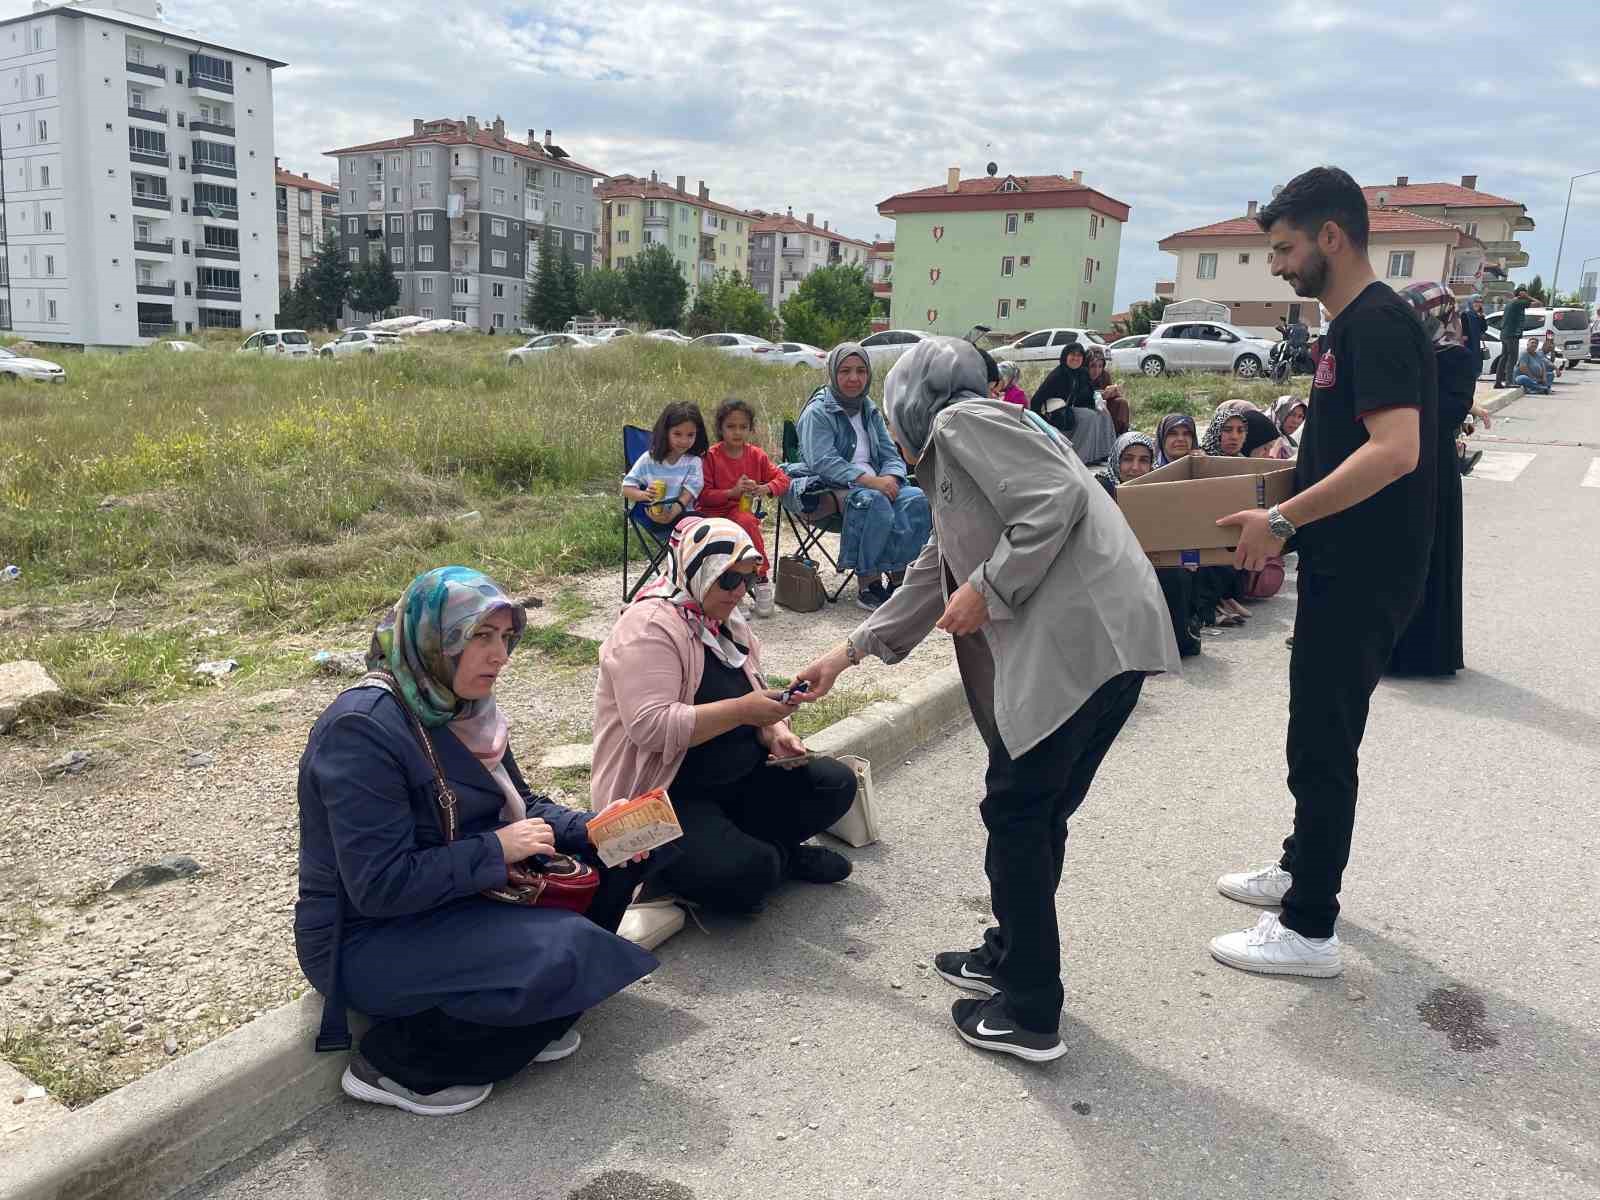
(807, 528)
(650, 538)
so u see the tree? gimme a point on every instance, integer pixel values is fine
(553, 298)
(374, 287)
(605, 293)
(1536, 288)
(564, 295)
(726, 304)
(656, 288)
(327, 282)
(1143, 316)
(830, 306)
(297, 307)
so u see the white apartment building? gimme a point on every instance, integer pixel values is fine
(138, 178)
(784, 250)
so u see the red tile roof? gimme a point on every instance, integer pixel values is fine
(1380, 220)
(984, 193)
(789, 224)
(1452, 194)
(289, 179)
(628, 187)
(456, 133)
(883, 247)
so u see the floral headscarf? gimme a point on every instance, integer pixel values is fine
(1165, 426)
(1131, 438)
(1436, 307)
(1211, 443)
(701, 550)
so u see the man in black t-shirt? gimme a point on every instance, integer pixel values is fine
(1362, 521)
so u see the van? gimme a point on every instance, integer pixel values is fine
(290, 343)
(1570, 326)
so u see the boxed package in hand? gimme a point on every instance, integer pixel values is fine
(1174, 509)
(634, 826)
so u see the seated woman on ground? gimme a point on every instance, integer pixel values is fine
(1110, 392)
(681, 704)
(1066, 400)
(847, 450)
(1175, 437)
(463, 990)
(1288, 415)
(1135, 456)
(1218, 590)
(1005, 388)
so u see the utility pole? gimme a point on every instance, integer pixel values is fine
(1561, 244)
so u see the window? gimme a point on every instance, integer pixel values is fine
(397, 224)
(1088, 270)
(555, 210)
(560, 179)
(44, 131)
(394, 196)
(352, 195)
(38, 44)
(425, 284)
(214, 153)
(1401, 263)
(426, 313)
(49, 264)
(208, 68)
(498, 227)
(353, 225)
(499, 195)
(397, 255)
(50, 306)
(622, 210)
(577, 241)
(424, 192)
(217, 238)
(48, 218)
(1027, 219)
(219, 278)
(1083, 312)
(38, 85)
(1011, 227)
(1025, 261)
(44, 176)
(460, 285)
(1003, 309)
(424, 222)
(499, 320)
(622, 237)
(1008, 265)
(1021, 304)
(395, 163)
(497, 258)
(147, 141)
(577, 214)
(497, 164)
(424, 254)
(458, 312)
(1207, 267)
(1472, 229)
(497, 290)
(355, 255)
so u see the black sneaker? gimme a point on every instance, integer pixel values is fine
(1470, 461)
(986, 1025)
(818, 864)
(968, 970)
(870, 596)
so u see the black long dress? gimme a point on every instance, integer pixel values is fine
(1432, 643)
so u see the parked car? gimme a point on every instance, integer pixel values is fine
(545, 343)
(611, 335)
(291, 343)
(1044, 345)
(181, 347)
(669, 335)
(361, 341)
(798, 354)
(1570, 325)
(739, 345)
(1123, 354)
(39, 370)
(886, 347)
(1204, 346)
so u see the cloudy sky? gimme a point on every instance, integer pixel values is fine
(1183, 111)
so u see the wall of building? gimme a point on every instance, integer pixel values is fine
(950, 283)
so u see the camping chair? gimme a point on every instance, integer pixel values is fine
(648, 537)
(807, 528)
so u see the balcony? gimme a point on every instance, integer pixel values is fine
(156, 116)
(217, 293)
(150, 200)
(146, 70)
(215, 212)
(469, 296)
(155, 329)
(156, 289)
(460, 233)
(463, 170)
(658, 219)
(150, 158)
(229, 253)
(201, 166)
(152, 246)
(1166, 287)
(210, 83)
(199, 126)
(283, 219)
(793, 251)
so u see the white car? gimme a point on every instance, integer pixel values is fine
(290, 343)
(361, 341)
(1123, 354)
(1570, 326)
(885, 348)
(1045, 345)
(798, 354)
(545, 343)
(182, 347)
(739, 345)
(669, 335)
(611, 335)
(1204, 346)
(37, 369)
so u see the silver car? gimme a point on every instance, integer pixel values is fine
(1045, 345)
(884, 349)
(40, 370)
(738, 345)
(798, 354)
(546, 344)
(1204, 346)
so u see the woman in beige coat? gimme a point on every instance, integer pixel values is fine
(1057, 619)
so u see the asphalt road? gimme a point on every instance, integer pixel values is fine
(810, 1054)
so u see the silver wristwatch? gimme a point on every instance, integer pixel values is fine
(1280, 525)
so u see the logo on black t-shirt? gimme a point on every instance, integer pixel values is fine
(1326, 371)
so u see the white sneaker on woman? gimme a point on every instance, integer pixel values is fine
(362, 1081)
(1272, 948)
(1265, 887)
(564, 1046)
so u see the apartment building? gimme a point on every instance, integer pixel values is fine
(1493, 221)
(1013, 252)
(459, 208)
(704, 235)
(1228, 261)
(137, 167)
(308, 218)
(784, 250)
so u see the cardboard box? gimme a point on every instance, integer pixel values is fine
(1174, 509)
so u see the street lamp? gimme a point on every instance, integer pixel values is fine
(1556, 274)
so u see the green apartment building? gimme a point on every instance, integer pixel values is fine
(1014, 252)
(703, 235)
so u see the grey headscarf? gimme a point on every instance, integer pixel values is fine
(937, 373)
(836, 358)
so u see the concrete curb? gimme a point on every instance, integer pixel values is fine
(1502, 398)
(178, 1124)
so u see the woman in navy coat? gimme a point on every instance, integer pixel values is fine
(463, 990)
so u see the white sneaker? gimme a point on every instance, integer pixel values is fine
(1266, 886)
(764, 594)
(564, 1046)
(1272, 948)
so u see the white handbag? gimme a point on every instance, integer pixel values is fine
(859, 826)
(651, 923)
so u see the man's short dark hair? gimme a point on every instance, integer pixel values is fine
(1315, 197)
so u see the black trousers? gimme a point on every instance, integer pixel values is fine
(737, 839)
(431, 1050)
(1177, 588)
(1025, 809)
(1507, 369)
(1344, 633)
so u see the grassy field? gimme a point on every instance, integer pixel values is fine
(286, 497)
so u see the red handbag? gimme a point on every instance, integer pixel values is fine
(542, 881)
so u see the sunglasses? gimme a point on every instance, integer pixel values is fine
(732, 581)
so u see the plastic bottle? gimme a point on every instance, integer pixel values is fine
(11, 574)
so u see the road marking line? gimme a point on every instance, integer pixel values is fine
(1591, 477)
(1502, 466)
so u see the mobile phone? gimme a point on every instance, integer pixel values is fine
(796, 688)
(795, 761)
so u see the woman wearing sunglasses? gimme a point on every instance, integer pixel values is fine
(681, 704)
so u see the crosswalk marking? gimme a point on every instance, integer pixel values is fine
(1502, 466)
(1591, 477)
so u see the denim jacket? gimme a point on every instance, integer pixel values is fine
(828, 442)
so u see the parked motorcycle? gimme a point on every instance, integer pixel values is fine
(1292, 355)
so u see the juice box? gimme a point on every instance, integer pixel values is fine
(634, 826)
